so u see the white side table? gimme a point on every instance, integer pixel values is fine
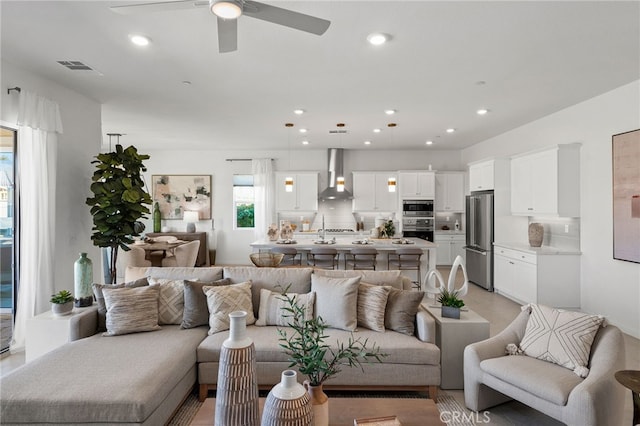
(452, 336)
(46, 332)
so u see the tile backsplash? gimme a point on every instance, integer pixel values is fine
(563, 233)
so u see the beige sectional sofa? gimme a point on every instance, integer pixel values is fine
(142, 378)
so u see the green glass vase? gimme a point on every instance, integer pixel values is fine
(157, 218)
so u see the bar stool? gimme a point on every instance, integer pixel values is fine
(406, 259)
(291, 255)
(361, 258)
(323, 257)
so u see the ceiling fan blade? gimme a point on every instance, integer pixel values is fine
(227, 35)
(131, 9)
(285, 17)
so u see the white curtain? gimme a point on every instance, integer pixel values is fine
(264, 193)
(39, 123)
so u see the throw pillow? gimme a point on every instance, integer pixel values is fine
(560, 337)
(102, 309)
(223, 300)
(402, 307)
(272, 303)
(336, 301)
(389, 278)
(372, 303)
(170, 300)
(131, 310)
(196, 312)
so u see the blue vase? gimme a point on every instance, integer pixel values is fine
(83, 278)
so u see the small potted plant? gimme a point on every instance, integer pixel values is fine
(451, 304)
(62, 303)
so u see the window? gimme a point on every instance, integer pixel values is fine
(243, 202)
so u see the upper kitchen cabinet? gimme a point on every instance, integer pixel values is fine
(371, 192)
(481, 176)
(417, 185)
(547, 183)
(304, 196)
(449, 192)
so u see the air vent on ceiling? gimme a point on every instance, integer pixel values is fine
(333, 132)
(75, 65)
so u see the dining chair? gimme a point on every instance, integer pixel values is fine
(323, 257)
(361, 258)
(291, 256)
(406, 259)
(183, 255)
(134, 257)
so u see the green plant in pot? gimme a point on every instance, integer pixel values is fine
(387, 229)
(119, 201)
(450, 302)
(61, 302)
(305, 344)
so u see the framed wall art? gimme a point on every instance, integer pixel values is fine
(626, 196)
(176, 194)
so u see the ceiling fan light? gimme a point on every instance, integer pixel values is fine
(226, 9)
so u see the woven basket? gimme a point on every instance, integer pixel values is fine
(262, 260)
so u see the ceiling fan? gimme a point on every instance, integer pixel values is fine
(227, 12)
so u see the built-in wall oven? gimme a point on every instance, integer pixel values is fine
(418, 227)
(421, 208)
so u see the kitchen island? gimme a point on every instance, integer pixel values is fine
(344, 244)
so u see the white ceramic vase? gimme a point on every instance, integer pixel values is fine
(288, 403)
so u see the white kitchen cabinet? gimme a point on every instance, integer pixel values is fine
(481, 176)
(528, 277)
(371, 192)
(449, 246)
(449, 192)
(417, 185)
(547, 182)
(304, 196)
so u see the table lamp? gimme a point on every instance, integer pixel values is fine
(191, 217)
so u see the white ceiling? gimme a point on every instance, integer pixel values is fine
(535, 57)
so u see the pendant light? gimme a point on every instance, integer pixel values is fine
(391, 182)
(340, 179)
(288, 181)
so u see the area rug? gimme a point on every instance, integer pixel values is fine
(451, 412)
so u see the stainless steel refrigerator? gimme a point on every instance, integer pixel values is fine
(479, 231)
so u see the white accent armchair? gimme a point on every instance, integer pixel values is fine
(491, 378)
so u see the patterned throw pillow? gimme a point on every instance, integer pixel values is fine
(196, 312)
(223, 300)
(561, 337)
(170, 301)
(336, 301)
(402, 307)
(271, 304)
(372, 303)
(131, 310)
(102, 309)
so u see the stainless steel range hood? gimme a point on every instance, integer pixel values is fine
(335, 170)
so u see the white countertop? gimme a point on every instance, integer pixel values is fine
(343, 243)
(541, 251)
(448, 232)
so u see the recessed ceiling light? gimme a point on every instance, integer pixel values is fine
(377, 38)
(451, 130)
(367, 142)
(305, 142)
(482, 111)
(389, 111)
(139, 40)
(376, 130)
(298, 111)
(226, 9)
(429, 142)
(303, 130)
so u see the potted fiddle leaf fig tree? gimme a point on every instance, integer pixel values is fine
(119, 201)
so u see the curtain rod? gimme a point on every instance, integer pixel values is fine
(242, 159)
(10, 89)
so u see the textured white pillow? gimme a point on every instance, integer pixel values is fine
(272, 303)
(222, 300)
(170, 300)
(560, 337)
(372, 302)
(389, 278)
(336, 301)
(131, 310)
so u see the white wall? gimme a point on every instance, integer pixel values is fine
(81, 120)
(608, 287)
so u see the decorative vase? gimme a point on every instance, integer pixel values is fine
(60, 309)
(536, 234)
(286, 232)
(82, 279)
(288, 403)
(450, 312)
(319, 404)
(157, 218)
(272, 232)
(237, 392)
